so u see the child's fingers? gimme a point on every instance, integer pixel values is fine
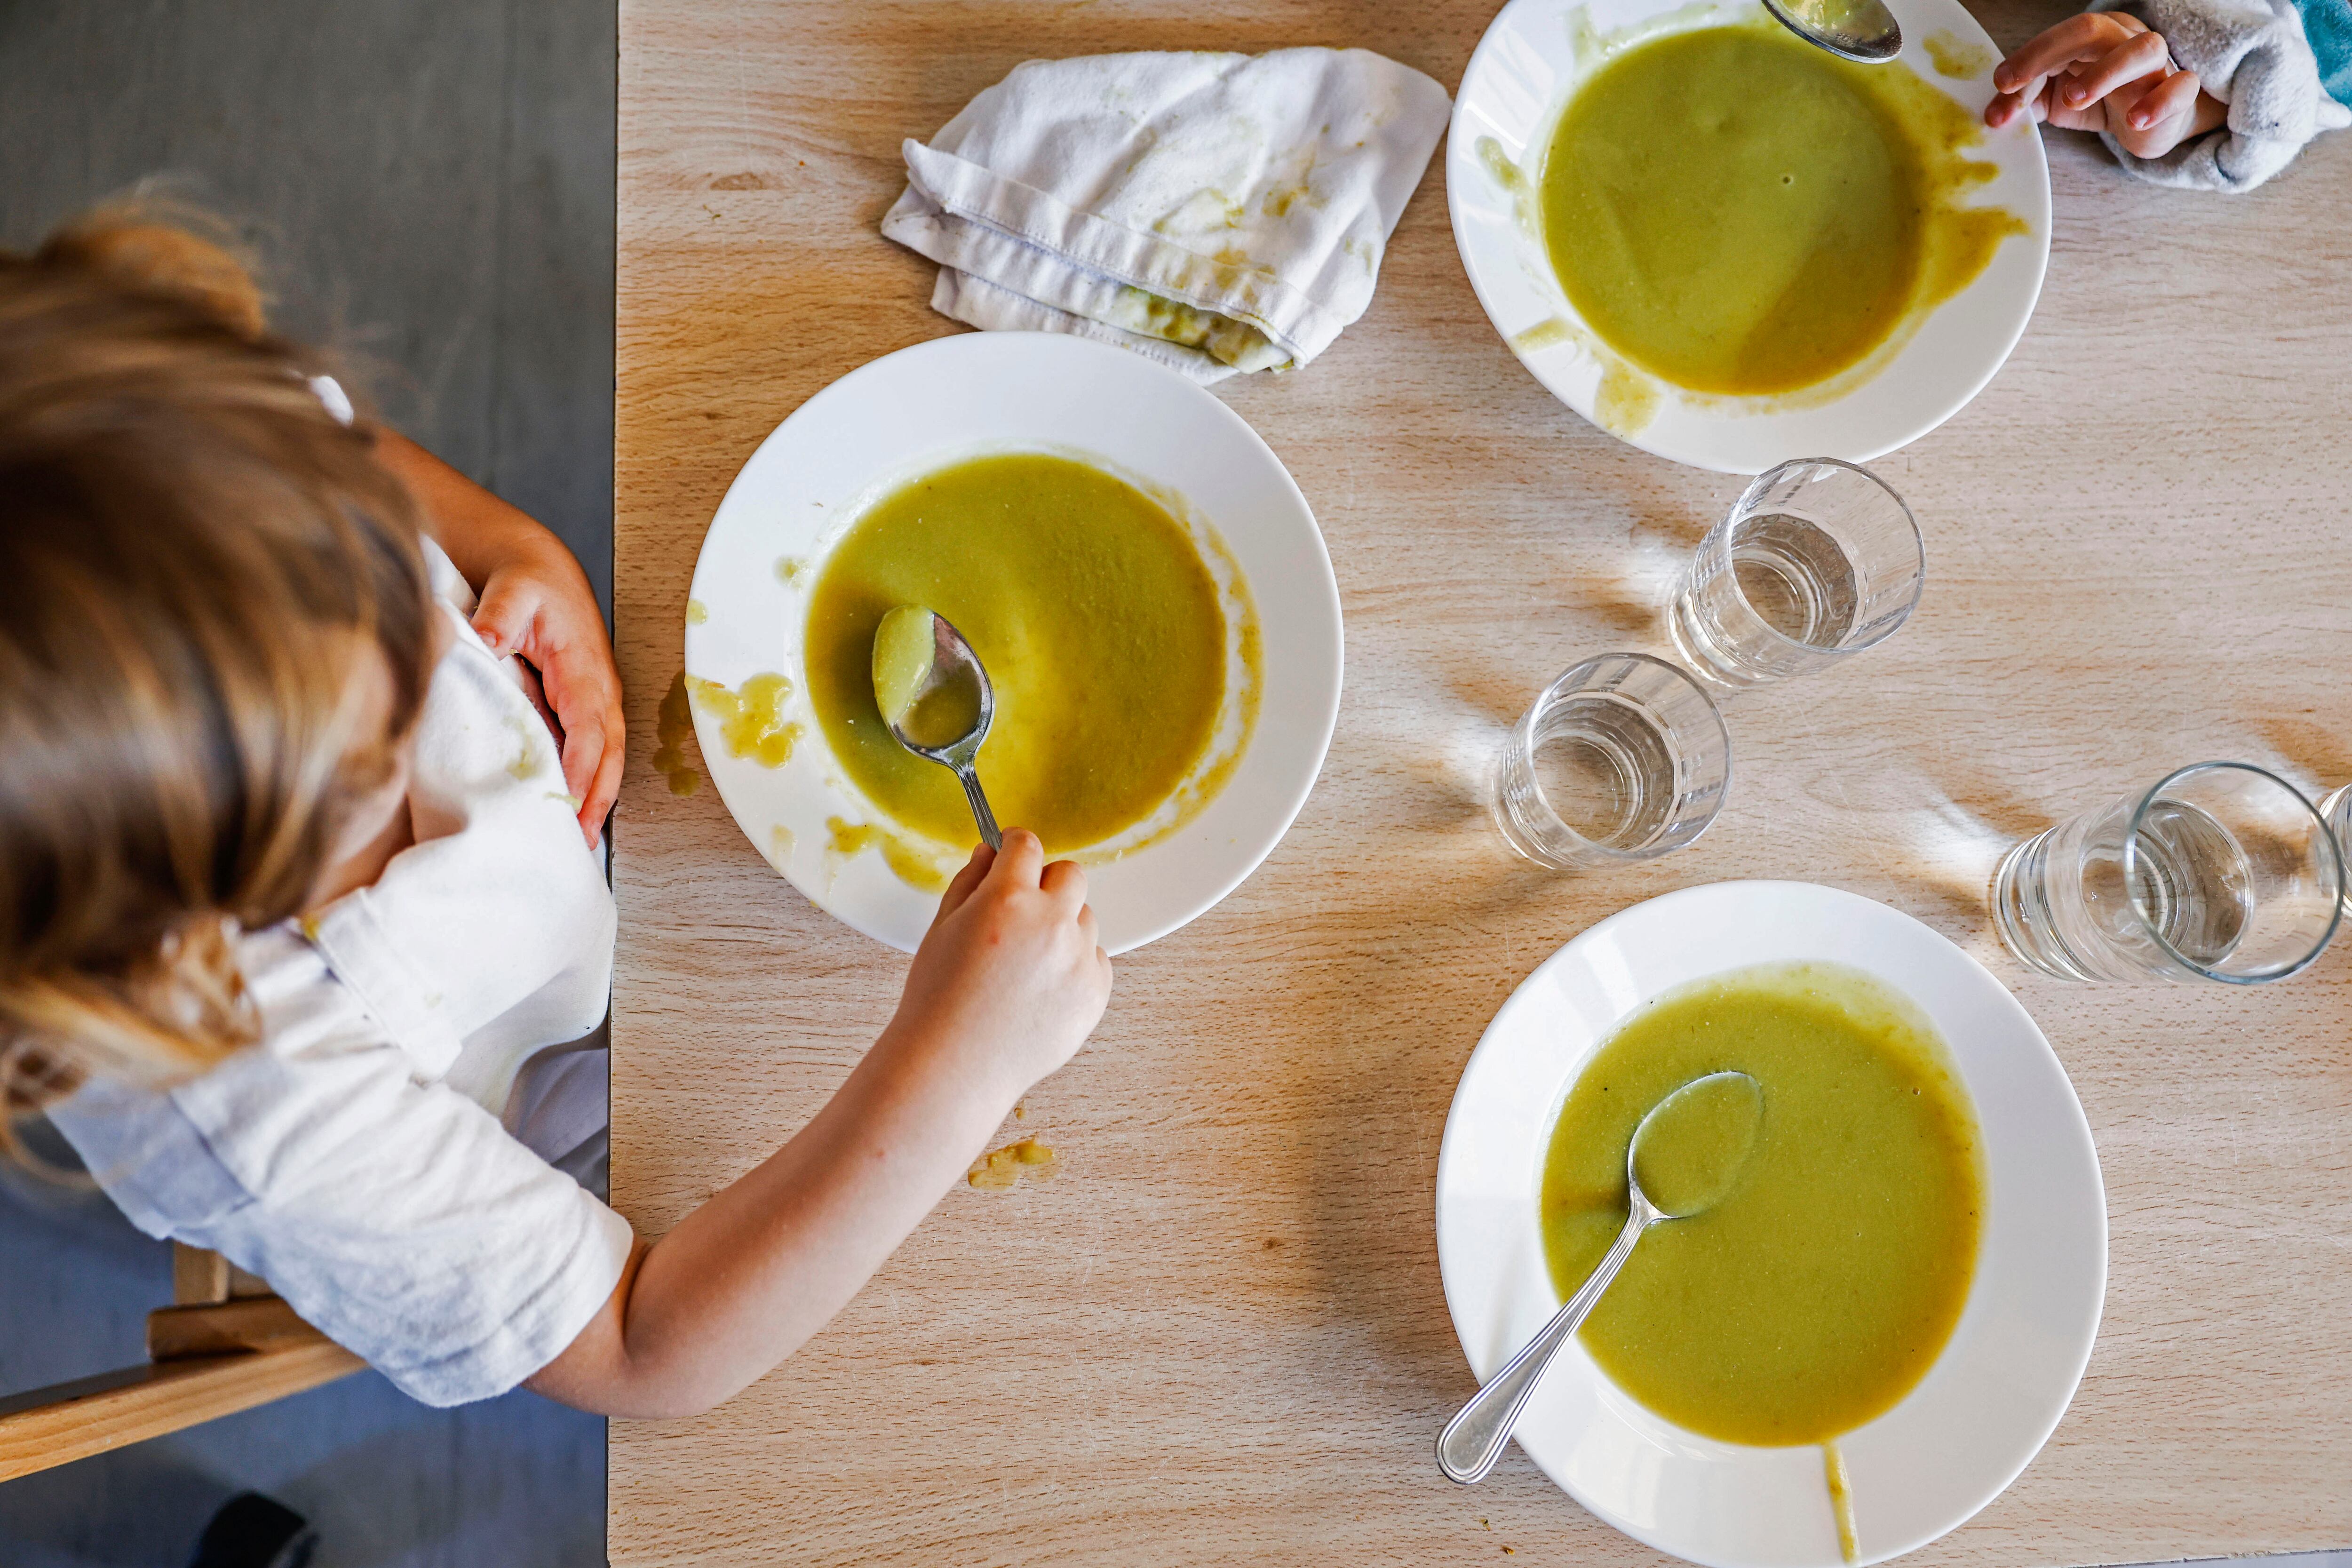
(966, 882)
(2173, 97)
(597, 781)
(585, 692)
(2082, 37)
(2006, 106)
(1066, 881)
(2127, 61)
(583, 753)
(508, 605)
(1021, 860)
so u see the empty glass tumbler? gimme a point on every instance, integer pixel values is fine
(2222, 871)
(1818, 560)
(1621, 758)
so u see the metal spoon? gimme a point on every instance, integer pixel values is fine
(926, 675)
(1864, 31)
(1476, 1436)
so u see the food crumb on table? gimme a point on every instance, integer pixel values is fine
(1001, 1170)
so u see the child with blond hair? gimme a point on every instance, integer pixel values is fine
(299, 883)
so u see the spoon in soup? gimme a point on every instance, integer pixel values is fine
(936, 699)
(1864, 31)
(1685, 1157)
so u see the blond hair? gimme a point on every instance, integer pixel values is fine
(196, 558)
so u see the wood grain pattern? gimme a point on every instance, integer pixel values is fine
(50, 1426)
(1219, 1335)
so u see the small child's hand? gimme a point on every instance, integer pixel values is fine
(2104, 70)
(1011, 976)
(537, 605)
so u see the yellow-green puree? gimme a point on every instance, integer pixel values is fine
(1819, 1289)
(1100, 626)
(904, 647)
(1736, 212)
(1692, 1150)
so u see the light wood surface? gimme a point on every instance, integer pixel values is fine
(1218, 1335)
(51, 1426)
(200, 1276)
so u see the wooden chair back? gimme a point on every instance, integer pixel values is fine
(227, 1343)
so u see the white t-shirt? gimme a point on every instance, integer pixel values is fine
(354, 1157)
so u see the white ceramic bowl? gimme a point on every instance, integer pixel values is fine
(1524, 71)
(959, 396)
(1991, 1399)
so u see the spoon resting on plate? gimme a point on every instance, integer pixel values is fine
(936, 699)
(1685, 1157)
(1864, 31)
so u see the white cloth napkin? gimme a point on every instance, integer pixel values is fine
(1217, 212)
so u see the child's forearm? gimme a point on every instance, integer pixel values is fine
(480, 533)
(742, 1281)
(1009, 980)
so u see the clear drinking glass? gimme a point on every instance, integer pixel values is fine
(1622, 758)
(1819, 559)
(2335, 810)
(2222, 872)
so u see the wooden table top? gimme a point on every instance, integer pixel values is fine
(1218, 1336)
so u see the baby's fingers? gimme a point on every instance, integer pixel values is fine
(2128, 61)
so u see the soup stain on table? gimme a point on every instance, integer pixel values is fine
(673, 728)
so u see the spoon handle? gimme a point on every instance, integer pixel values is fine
(979, 812)
(1474, 1439)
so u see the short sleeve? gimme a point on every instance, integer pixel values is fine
(396, 1216)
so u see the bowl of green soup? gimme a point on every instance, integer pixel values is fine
(1728, 247)
(1136, 571)
(1874, 1330)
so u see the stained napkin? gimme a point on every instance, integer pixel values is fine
(1217, 212)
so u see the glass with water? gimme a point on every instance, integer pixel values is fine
(1622, 758)
(1818, 560)
(2222, 871)
(2335, 810)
